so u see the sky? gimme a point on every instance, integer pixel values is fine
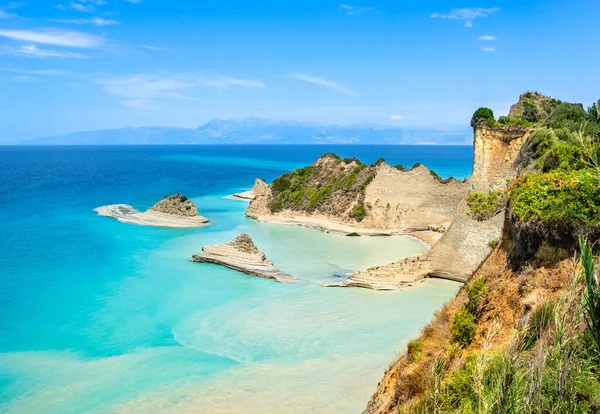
(76, 65)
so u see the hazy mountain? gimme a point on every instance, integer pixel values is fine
(264, 131)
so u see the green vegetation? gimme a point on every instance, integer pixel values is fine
(511, 122)
(551, 364)
(464, 325)
(492, 244)
(414, 349)
(359, 212)
(477, 293)
(569, 200)
(483, 115)
(591, 295)
(378, 162)
(530, 112)
(485, 206)
(325, 185)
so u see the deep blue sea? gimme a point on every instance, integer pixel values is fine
(99, 316)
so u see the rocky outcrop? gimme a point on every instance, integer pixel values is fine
(365, 200)
(494, 152)
(242, 255)
(175, 211)
(542, 105)
(246, 195)
(465, 245)
(177, 205)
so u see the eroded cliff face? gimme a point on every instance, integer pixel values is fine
(357, 198)
(466, 243)
(494, 152)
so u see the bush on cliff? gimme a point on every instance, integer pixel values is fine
(485, 206)
(483, 115)
(463, 327)
(359, 213)
(330, 185)
(558, 199)
(568, 115)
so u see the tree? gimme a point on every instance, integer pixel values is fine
(482, 115)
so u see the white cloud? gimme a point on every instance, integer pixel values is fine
(33, 51)
(155, 48)
(324, 82)
(396, 118)
(96, 21)
(142, 90)
(25, 79)
(134, 1)
(85, 6)
(54, 37)
(350, 10)
(486, 38)
(39, 72)
(468, 14)
(488, 49)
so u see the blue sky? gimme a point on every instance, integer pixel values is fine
(77, 65)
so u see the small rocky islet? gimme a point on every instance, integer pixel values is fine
(241, 254)
(175, 211)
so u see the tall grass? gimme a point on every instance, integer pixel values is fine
(592, 292)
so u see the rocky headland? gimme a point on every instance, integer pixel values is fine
(347, 196)
(176, 211)
(241, 254)
(516, 336)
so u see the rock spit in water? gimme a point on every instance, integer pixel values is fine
(242, 255)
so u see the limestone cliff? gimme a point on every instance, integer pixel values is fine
(351, 197)
(465, 245)
(348, 196)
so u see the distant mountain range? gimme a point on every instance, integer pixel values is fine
(263, 131)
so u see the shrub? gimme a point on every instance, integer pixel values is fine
(564, 157)
(492, 244)
(281, 184)
(477, 293)
(378, 162)
(530, 112)
(400, 167)
(463, 327)
(414, 350)
(570, 200)
(359, 212)
(567, 115)
(485, 206)
(594, 112)
(482, 115)
(436, 175)
(367, 181)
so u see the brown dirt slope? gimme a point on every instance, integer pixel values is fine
(511, 296)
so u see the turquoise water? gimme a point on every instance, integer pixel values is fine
(101, 316)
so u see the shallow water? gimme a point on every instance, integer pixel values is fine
(101, 316)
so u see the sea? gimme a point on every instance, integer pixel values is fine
(98, 316)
